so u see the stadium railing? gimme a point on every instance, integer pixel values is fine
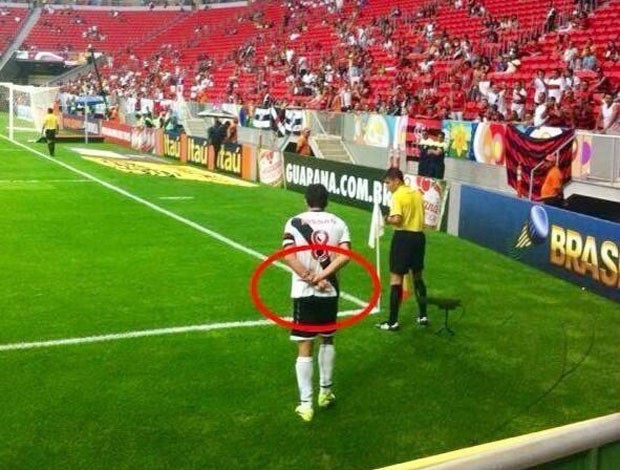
(377, 140)
(589, 445)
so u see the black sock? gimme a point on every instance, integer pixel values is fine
(395, 295)
(420, 293)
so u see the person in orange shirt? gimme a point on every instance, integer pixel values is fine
(551, 191)
(232, 131)
(303, 146)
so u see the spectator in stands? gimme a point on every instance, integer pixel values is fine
(571, 81)
(513, 66)
(555, 85)
(466, 76)
(555, 117)
(550, 19)
(540, 87)
(589, 46)
(494, 115)
(609, 116)
(477, 75)
(519, 96)
(540, 113)
(514, 117)
(496, 96)
(602, 84)
(588, 60)
(571, 53)
(611, 51)
(568, 108)
(346, 97)
(457, 101)
(583, 92)
(481, 111)
(514, 51)
(583, 115)
(501, 65)
(426, 66)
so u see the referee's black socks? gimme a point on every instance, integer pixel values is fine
(420, 293)
(396, 294)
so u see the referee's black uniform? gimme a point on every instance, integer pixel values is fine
(408, 247)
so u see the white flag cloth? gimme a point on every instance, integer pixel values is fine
(376, 226)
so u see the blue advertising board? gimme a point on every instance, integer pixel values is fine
(579, 248)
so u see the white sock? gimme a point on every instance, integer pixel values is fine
(303, 368)
(327, 354)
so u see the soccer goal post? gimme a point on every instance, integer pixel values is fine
(24, 106)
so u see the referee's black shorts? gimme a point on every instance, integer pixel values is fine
(50, 135)
(314, 310)
(407, 252)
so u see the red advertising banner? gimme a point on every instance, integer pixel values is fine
(116, 133)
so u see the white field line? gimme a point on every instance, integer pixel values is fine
(143, 333)
(176, 198)
(47, 181)
(170, 214)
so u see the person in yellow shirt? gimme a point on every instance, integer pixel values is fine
(50, 128)
(408, 246)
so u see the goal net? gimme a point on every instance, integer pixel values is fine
(23, 107)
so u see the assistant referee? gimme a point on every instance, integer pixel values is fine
(50, 128)
(408, 246)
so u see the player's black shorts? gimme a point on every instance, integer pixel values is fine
(407, 252)
(50, 135)
(314, 311)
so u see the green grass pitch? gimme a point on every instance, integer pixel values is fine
(78, 259)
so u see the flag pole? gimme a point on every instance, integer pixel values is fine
(378, 268)
(376, 231)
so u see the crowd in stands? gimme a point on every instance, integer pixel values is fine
(430, 72)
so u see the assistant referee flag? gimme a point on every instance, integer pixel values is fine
(376, 226)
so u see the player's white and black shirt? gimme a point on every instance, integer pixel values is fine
(314, 228)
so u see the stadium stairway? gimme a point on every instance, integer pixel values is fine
(23, 32)
(332, 148)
